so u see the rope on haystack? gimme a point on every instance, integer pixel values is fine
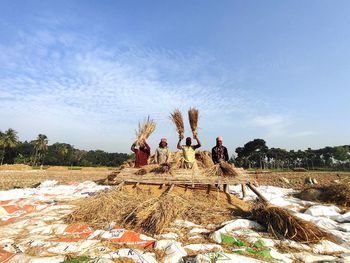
(177, 119)
(145, 130)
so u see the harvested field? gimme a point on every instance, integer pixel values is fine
(297, 179)
(15, 167)
(140, 223)
(28, 178)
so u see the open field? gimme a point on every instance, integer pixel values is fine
(29, 178)
(297, 179)
(149, 223)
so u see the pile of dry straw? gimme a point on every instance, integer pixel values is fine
(282, 224)
(149, 211)
(336, 194)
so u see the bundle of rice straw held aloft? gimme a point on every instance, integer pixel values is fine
(193, 118)
(145, 130)
(177, 119)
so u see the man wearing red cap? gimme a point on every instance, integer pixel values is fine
(219, 152)
(162, 153)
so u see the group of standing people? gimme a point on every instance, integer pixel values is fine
(162, 154)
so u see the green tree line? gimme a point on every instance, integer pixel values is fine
(39, 152)
(256, 154)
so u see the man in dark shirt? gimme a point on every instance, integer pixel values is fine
(219, 152)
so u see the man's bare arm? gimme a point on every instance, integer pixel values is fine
(198, 142)
(179, 144)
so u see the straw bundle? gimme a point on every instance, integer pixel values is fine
(162, 168)
(154, 215)
(282, 224)
(336, 194)
(204, 158)
(177, 119)
(193, 118)
(106, 203)
(221, 169)
(146, 169)
(145, 130)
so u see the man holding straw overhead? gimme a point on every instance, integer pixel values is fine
(142, 152)
(189, 151)
(140, 147)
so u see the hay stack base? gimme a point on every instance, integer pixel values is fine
(149, 209)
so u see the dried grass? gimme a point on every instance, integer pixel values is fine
(145, 130)
(150, 210)
(106, 207)
(204, 159)
(156, 214)
(222, 169)
(146, 169)
(336, 194)
(94, 169)
(162, 168)
(17, 167)
(282, 224)
(193, 118)
(57, 168)
(177, 119)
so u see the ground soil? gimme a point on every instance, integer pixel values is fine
(297, 179)
(29, 178)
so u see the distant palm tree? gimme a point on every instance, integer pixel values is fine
(8, 140)
(41, 147)
(63, 151)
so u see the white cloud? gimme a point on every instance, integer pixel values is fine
(69, 85)
(268, 120)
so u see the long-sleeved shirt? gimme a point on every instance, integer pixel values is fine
(219, 153)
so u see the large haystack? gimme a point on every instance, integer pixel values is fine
(150, 209)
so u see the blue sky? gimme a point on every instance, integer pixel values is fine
(86, 72)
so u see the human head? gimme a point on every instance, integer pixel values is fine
(188, 141)
(219, 141)
(163, 143)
